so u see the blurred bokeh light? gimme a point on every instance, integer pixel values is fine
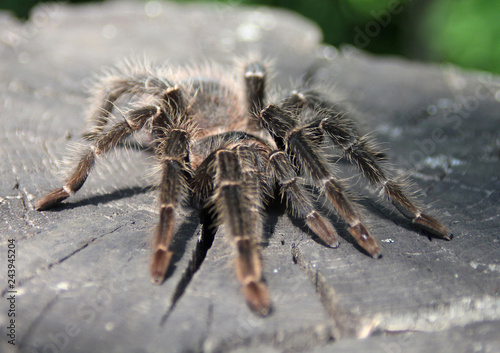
(462, 32)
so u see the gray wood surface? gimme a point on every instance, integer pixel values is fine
(82, 268)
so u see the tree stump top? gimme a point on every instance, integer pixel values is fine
(82, 269)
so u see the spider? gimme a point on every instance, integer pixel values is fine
(220, 142)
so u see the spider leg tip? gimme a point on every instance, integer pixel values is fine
(323, 228)
(156, 279)
(159, 265)
(432, 226)
(267, 312)
(365, 240)
(258, 298)
(44, 204)
(263, 311)
(334, 245)
(52, 199)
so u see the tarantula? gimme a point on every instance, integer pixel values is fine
(220, 143)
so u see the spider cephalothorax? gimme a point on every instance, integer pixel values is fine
(218, 142)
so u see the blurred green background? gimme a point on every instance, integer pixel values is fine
(463, 32)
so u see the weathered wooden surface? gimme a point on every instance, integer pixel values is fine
(82, 273)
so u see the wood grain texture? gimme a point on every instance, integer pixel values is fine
(83, 282)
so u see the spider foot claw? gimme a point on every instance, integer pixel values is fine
(323, 229)
(159, 265)
(257, 297)
(433, 226)
(365, 240)
(52, 199)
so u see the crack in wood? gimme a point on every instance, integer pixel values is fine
(463, 312)
(345, 323)
(61, 260)
(86, 244)
(206, 335)
(301, 340)
(23, 196)
(34, 324)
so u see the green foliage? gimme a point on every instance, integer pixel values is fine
(22, 8)
(465, 32)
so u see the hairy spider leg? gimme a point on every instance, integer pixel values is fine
(255, 76)
(111, 88)
(298, 201)
(173, 156)
(255, 84)
(103, 143)
(231, 184)
(303, 146)
(238, 200)
(340, 128)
